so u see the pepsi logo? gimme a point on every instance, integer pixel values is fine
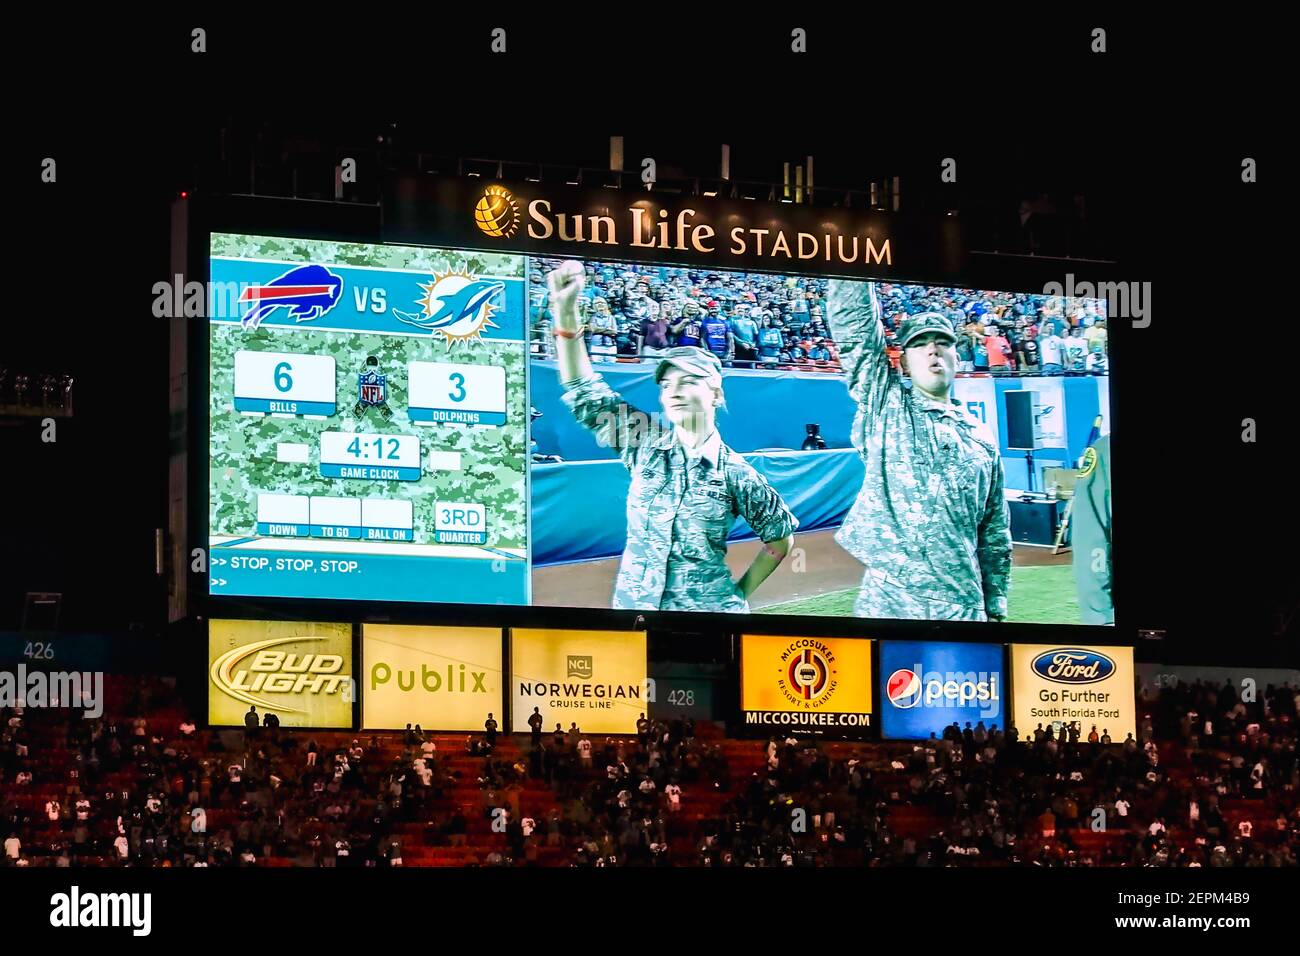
(1073, 665)
(904, 688)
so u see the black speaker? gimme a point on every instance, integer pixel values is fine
(1022, 420)
(1033, 522)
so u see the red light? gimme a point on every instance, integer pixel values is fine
(184, 194)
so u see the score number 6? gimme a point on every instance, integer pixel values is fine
(283, 380)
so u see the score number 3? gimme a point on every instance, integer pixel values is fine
(459, 381)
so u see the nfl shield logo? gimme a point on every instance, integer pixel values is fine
(372, 388)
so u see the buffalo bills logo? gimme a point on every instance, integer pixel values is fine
(1073, 665)
(308, 292)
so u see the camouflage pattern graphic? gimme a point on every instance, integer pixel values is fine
(243, 448)
(930, 522)
(679, 513)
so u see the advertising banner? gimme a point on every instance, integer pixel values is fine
(805, 685)
(1055, 684)
(596, 679)
(441, 678)
(928, 686)
(301, 672)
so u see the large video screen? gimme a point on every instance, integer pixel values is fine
(402, 423)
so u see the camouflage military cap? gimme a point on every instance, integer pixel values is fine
(694, 361)
(916, 325)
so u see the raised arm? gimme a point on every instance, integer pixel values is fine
(565, 283)
(853, 314)
(594, 404)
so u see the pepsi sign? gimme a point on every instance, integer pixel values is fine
(928, 686)
(1073, 665)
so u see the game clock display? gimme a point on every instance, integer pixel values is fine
(368, 423)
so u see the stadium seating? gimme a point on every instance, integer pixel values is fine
(906, 810)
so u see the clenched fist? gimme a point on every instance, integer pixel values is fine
(565, 283)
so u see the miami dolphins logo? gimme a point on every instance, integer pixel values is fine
(457, 306)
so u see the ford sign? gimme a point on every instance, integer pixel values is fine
(1070, 665)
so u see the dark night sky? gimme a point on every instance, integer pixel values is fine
(1152, 133)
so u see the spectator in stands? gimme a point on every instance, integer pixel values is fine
(689, 327)
(1096, 335)
(490, 731)
(251, 720)
(717, 335)
(1076, 350)
(1052, 351)
(744, 332)
(603, 331)
(999, 351)
(965, 353)
(1027, 357)
(770, 341)
(535, 725)
(1096, 362)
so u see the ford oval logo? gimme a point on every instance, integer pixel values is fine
(1071, 665)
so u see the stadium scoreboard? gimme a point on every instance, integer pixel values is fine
(368, 422)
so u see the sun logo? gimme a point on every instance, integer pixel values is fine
(497, 213)
(456, 305)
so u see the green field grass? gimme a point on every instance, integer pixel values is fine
(1041, 595)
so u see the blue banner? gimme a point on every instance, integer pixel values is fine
(580, 507)
(765, 410)
(267, 406)
(768, 410)
(351, 303)
(369, 472)
(370, 577)
(926, 686)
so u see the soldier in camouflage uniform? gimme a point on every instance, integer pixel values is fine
(930, 523)
(1091, 535)
(687, 488)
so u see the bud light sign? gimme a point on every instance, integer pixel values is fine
(928, 686)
